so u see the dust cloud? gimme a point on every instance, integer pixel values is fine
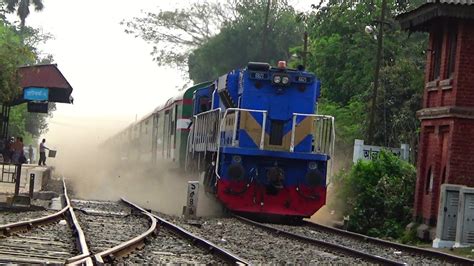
(332, 213)
(96, 173)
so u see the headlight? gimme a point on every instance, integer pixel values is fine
(312, 165)
(276, 79)
(237, 159)
(285, 80)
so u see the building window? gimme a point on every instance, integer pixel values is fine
(429, 182)
(452, 46)
(444, 175)
(436, 49)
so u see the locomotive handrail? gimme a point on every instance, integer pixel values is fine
(234, 132)
(330, 145)
(197, 126)
(333, 133)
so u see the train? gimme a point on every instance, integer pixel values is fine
(253, 134)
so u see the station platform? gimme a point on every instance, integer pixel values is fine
(42, 174)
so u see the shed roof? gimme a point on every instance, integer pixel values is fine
(420, 19)
(460, 2)
(45, 76)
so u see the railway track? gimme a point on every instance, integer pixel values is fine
(110, 233)
(258, 246)
(42, 240)
(59, 239)
(176, 245)
(373, 249)
(402, 254)
(114, 231)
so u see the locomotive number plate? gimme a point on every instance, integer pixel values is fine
(259, 75)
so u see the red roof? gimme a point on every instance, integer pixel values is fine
(46, 76)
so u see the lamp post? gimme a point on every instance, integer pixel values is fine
(377, 72)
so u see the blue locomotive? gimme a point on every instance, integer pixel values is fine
(256, 135)
(253, 134)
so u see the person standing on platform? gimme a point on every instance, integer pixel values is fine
(42, 148)
(17, 147)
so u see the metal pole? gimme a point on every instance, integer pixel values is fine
(265, 30)
(32, 184)
(377, 72)
(17, 179)
(305, 49)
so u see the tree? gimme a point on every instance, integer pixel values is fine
(227, 37)
(174, 34)
(3, 12)
(19, 48)
(343, 58)
(22, 8)
(12, 54)
(240, 40)
(378, 195)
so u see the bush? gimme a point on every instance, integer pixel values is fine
(378, 195)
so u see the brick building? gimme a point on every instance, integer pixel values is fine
(446, 150)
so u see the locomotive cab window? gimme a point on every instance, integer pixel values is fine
(203, 104)
(276, 132)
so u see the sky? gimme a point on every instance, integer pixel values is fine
(112, 73)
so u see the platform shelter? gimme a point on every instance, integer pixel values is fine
(39, 85)
(446, 149)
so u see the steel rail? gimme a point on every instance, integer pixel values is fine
(427, 252)
(124, 248)
(132, 244)
(198, 241)
(77, 230)
(336, 247)
(8, 229)
(65, 212)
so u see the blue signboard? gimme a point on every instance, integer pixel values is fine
(36, 94)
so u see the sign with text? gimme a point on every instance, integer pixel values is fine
(369, 152)
(192, 198)
(36, 94)
(38, 107)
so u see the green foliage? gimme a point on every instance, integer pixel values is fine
(17, 120)
(210, 38)
(343, 57)
(36, 123)
(409, 237)
(22, 8)
(245, 39)
(349, 119)
(378, 195)
(12, 54)
(18, 47)
(175, 33)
